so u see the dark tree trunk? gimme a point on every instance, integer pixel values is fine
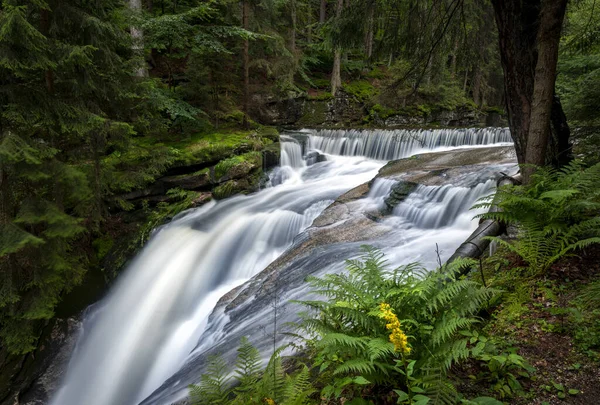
(527, 29)
(551, 20)
(323, 12)
(370, 32)
(336, 74)
(45, 29)
(294, 23)
(246, 62)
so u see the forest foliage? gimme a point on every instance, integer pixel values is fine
(89, 112)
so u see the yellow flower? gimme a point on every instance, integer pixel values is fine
(269, 401)
(397, 337)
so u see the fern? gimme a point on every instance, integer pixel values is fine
(556, 214)
(214, 385)
(248, 369)
(352, 341)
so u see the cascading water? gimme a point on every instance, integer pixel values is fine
(396, 144)
(154, 329)
(430, 207)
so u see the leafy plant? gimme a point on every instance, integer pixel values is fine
(557, 213)
(352, 347)
(249, 384)
(560, 390)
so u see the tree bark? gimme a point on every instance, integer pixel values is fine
(370, 32)
(45, 29)
(293, 33)
(336, 74)
(246, 62)
(521, 25)
(323, 12)
(138, 40)
(551, 19)
(453, 60)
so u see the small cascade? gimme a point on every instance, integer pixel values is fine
(291, 153)
(432, 207)
(397, 144)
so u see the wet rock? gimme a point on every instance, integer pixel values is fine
(399, 192)
(271, 156)
(193, 181)
(315, 157)
(38, 376)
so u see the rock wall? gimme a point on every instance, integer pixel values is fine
(345, 111)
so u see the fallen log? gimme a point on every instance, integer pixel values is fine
(479, 241)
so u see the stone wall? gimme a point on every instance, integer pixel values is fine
(345, 111)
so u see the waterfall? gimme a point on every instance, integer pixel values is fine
(148, 337)
(430, 207)
(291, 152)
(396, 144)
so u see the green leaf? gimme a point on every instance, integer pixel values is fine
(360, 380)
(402, 396)
(486, 401)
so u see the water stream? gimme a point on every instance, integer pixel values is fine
(145, 341)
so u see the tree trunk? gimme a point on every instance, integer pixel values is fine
(323, 12)
(551, 19)
(45, 29)
(309, 32)
(293, 33)
(521, 24)
(370, 32)
(138, 40)
(477, 79)
(336, 74)
(453, 60)
(246, 62)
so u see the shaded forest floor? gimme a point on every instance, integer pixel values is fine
(547, 321)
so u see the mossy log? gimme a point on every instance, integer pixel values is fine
(478, 241)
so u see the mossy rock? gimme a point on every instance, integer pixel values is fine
(271, 156)
(214, 147)
(237, 167)
(233, 187)
(193, 181)
(315, 114)
(270, 133)
(399, 192)
(362, 90)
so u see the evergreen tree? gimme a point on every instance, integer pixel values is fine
(64, 73)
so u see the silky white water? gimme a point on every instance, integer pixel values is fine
(155, 320)
(400, 143)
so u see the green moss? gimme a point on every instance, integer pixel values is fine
(382, 112)
(316, 114)
(213, 147)
(321, 83)
(324, 96)
(494, 109)
(270, 133)
(239, 165)
(377, 73)
(361, 89)
(226, 189)
(102, 246)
